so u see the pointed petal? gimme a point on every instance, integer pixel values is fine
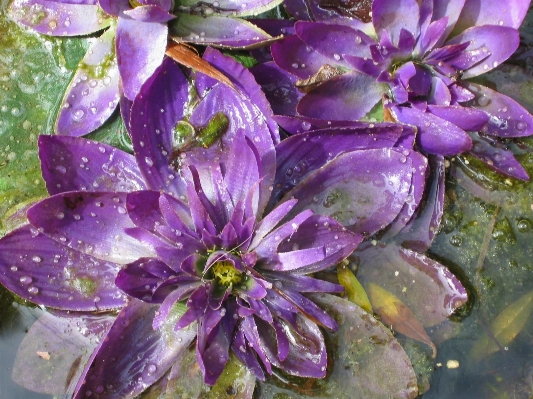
(92, 95)
(500, 42)
(42, 270)
(507, 118)
(92, 223)
(73, 164)
(57, 18)
(466, 118)
(140, 50)
(133, 355)
(435, 135)
(362, 190)
(428, 288)
(450, 9)
(344, 97)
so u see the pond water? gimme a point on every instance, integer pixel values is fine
(486, 241)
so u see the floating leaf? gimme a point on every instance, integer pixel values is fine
(354, 290)
(505, 327)
(395, 313)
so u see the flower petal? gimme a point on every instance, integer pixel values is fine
(435, 135)
(140, 50)
(492, 12)
(73, 164)
(57, 18)
(499, 41)
(89, 222)
(92, 94)
(40, 269)
(344, 97)
(133, 355)
(390, 16)
(428, 288)
(362, 190)
(507, 118)
(149, 13)
(465, 118)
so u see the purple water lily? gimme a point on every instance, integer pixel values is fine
(186, 216)
(416, 59)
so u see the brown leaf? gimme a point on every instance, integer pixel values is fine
(324, 73)
(395, 313)
(360, 9)
(186, 55)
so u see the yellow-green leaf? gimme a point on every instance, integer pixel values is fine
(395, 313)
(505, 327)
(354, 290)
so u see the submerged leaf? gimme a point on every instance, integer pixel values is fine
(395, 313)
(354, 290)
(505, 327)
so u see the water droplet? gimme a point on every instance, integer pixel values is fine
(294, 65)
(107, 80)
(358, 39)
(14, 268)
(148, 161)
(78, 114)
(61, 169)
(306, 125)
(456, 241)
(37, 259)
(521, 125)
(151, 369)
(121, 210)
(99, 389)
(101, 149)
(523, 225)
(337, 57)
(76, 217)
(25, 280)
(60, 215)
(483, 101)
(403, 159)
(33, 290)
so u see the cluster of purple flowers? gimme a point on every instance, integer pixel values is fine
(217, 232)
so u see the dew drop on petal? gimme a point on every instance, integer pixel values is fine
(25, 280)
(37, 259)
(33, 290)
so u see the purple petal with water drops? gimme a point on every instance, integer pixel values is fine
(390, 16)
(40, 269)
(274, 27)
(72, 164)
(373, 371)
(114, 7)
(435, 135)
(345, 97)
(428, 288)
(90, 222)
(68, 340)
(56, 18)
(299, 283)
(498, 41)
(243, 79)
(149, 13)
(307, 355)
(433, 34)
(133, 355)
(492, 12)
(466, 118)
(495, 154)
(157, 108)
(296, 57)
(416, 191)
(362, 190)
(278, 86)
(450, 9)
(507, 118)
(140, 282)
(212, 351)
(92, 95)
(140, 50)
(420, 232)
(217, 30)
(334, 41)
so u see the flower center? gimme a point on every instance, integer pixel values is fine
(134, 3)
(226, 274)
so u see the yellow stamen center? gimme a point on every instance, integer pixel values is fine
(226, 274)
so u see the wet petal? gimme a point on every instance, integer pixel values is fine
(68, 340)
(466, 118)
(497, 156)
(428, 288)
(92, 95)
(507, 118)
(73, 164)
(296, 57)
(390, 17)
(345, 97)
(92, 223)
(450, 9)
(57, 18)
(140, 50)
(166, 90)
(42, 270)
(133, 355)
(362, 190)
(217, 30)
(435, 135)
(149, 13)
(498, 41)
(492, 12)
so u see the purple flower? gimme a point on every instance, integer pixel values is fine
(191, 218)
(418, 66)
